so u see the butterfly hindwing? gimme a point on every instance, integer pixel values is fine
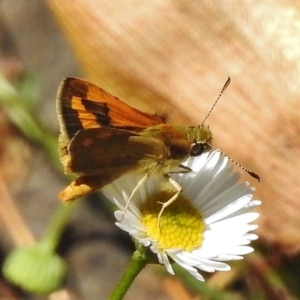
(110, 150)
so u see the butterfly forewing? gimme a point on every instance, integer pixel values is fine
(82, 104)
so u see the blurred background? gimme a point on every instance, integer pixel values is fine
(160, 56)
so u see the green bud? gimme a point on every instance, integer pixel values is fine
(35, 269)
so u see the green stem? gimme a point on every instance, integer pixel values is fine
(137, 263)
(24, 120)
(57, 226)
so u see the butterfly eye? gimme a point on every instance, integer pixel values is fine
(197, 149)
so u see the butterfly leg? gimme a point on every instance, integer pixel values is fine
(140, 183)
(178, 189)
(181, 169)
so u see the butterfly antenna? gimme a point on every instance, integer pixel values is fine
(252, 174)
(222, 91)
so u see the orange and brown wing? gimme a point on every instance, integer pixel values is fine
(98, 138)
(111, 151)
(82, 104)
(101, 155)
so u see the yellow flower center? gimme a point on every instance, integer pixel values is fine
(180, 227)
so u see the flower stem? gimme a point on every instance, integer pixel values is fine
(57, 226)
(137, 263)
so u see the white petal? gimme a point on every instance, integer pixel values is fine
(163, 258)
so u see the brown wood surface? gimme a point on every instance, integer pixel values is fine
(175, 56)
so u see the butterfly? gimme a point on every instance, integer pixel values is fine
(102, 138)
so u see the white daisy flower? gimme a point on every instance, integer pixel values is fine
(208, 224)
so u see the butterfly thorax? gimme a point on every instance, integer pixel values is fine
(177, 142)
